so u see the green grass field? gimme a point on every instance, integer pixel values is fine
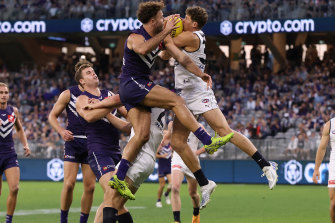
(38, 202)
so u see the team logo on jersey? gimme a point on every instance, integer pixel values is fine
(149, 84)
(69, 157)
(205, 100)
(293, 171)
(10, 118)
(107, 167)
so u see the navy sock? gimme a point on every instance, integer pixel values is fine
(9, 218)
(203, 136)
(260, 160)
(195, 211)
(176, 216)
(166, 194)
(158, 199)
(83, 217)
(200, 176)
(125, 218)
(123, 168)
(63, 216)
(109, 215)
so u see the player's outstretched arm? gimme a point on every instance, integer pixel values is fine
(90, 115)
(120, 124)
(58, 108)
(321, 151)
(110, 102)
(186, 61)
(21, 133)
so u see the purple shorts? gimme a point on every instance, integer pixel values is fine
(133, 91)
(76, 151)
(102, 163)
(164, 167)
(7, 161)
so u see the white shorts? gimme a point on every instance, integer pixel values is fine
(199, 101)
(178, 164)
(141, 169)
(331, 171)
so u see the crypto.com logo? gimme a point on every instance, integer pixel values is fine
(55, 169)
(293, 171)
(226, 27)
(86, 25)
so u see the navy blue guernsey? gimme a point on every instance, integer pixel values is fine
(136, 65)
(102, 136)
(74, 124)
(7, 118)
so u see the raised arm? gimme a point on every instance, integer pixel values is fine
(321, 151)
(21, 133)
(110, 102)
(61, 103)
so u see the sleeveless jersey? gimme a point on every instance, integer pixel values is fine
(136, 65)
(185, 79)
(166, 150)
(332, 138)
(74, 124)
(102, 136)
(7, 118)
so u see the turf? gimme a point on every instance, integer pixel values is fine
(231, 203)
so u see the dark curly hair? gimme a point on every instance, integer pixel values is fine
(148, 10)
(198, 14)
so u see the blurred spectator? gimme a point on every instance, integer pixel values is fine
(292, 148)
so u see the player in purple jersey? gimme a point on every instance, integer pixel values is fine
(101, 128)
(9, 117)
(138, 93)
(75, 153)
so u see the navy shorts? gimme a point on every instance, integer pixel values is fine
(164, 167)
(133, 91)
(7, 161)
(76, 151)
(102, 163)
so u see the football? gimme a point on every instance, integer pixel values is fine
(175, 32)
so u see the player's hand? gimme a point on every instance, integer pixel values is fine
(26, 151)
(316, 176)
(171, 24)
(67, 135)
(171, 16)
(93, 101)
(208, 79)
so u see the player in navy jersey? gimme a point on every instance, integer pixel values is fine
(163, 155)
(101, 128)
(138, 93)
(9, 117)
(75, 153)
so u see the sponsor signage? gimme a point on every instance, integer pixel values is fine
(225, 27)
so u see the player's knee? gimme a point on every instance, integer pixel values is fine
(177, 144)
(143, 137)
(332, 204)
(89, 189)
(193, 195)
(69, 186)
(179, 101)
(14, 189)
(175, 189)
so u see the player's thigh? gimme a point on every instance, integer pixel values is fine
(179, 134)
(331, 191)
(217, 121)
(70, 172)
(192, 185)
(168, 177)
(13, 177)
(176, 178)
(161, 97)
(140, 118)
(88, 176)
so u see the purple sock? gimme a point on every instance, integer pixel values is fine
(9, 218)
(123, 168)
(63, 216)
(203, 136)
(83, 217)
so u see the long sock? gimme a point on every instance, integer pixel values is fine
(176, 216)
(63, 216)
(123, 168)
(195, 211)
(203, 136)
(200, 176)
(260, 160)
(125, 218)
(166, 193)
(9, 218)
(109, 215)
(158, 200)
(83, 217)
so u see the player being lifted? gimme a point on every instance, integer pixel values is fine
(75, 152)
(10, 118)
(201, 100)
(138, 93)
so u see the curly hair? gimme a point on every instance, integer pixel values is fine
(79, 67)
(198, 14)
(148, 10)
